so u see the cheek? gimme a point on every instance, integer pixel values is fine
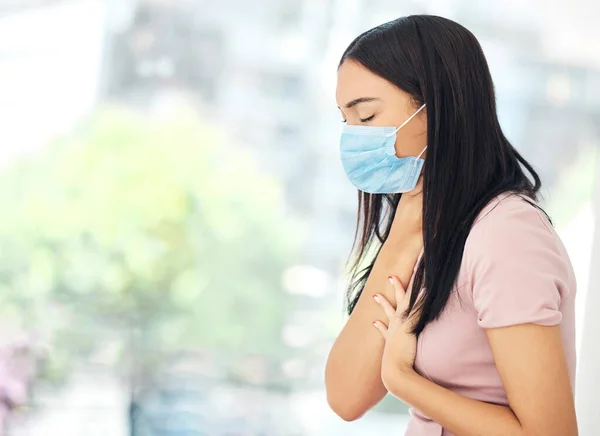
(411, 139)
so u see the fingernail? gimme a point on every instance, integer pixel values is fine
(376, 298)
(375, 324)
(391, 279)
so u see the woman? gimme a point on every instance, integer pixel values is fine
(486, 346)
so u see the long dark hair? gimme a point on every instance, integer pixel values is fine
(469, 160)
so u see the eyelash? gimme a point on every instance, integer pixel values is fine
(366, 120)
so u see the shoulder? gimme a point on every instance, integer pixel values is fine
(509, 224)
(516, 265)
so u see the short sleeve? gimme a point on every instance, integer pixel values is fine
(517, 267)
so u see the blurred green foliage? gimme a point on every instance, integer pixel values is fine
(136, 237)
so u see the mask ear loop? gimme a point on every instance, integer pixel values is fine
(406, 122)
(416, 161)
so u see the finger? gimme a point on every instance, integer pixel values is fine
(387, 307)
(399, 291)
(414, 314)
(381, 328)
(409, 289)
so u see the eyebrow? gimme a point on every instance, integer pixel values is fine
(360, 100)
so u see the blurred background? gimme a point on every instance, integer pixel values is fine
(175, 219)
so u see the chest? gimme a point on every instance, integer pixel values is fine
(453, 351)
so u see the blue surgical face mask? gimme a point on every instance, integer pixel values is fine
(369, 158)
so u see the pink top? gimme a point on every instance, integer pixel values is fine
(514, 270)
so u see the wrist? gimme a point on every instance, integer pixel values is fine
(402, 382)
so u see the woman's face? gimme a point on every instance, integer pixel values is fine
(367, 99)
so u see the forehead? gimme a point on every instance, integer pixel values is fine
(356, 81)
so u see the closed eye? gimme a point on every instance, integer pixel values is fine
(366, 120)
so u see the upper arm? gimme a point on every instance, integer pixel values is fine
(520, 277)
(531, 362)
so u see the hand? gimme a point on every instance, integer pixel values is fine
(400, 343)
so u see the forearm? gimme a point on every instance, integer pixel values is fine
(353, 371)
(458, 414)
